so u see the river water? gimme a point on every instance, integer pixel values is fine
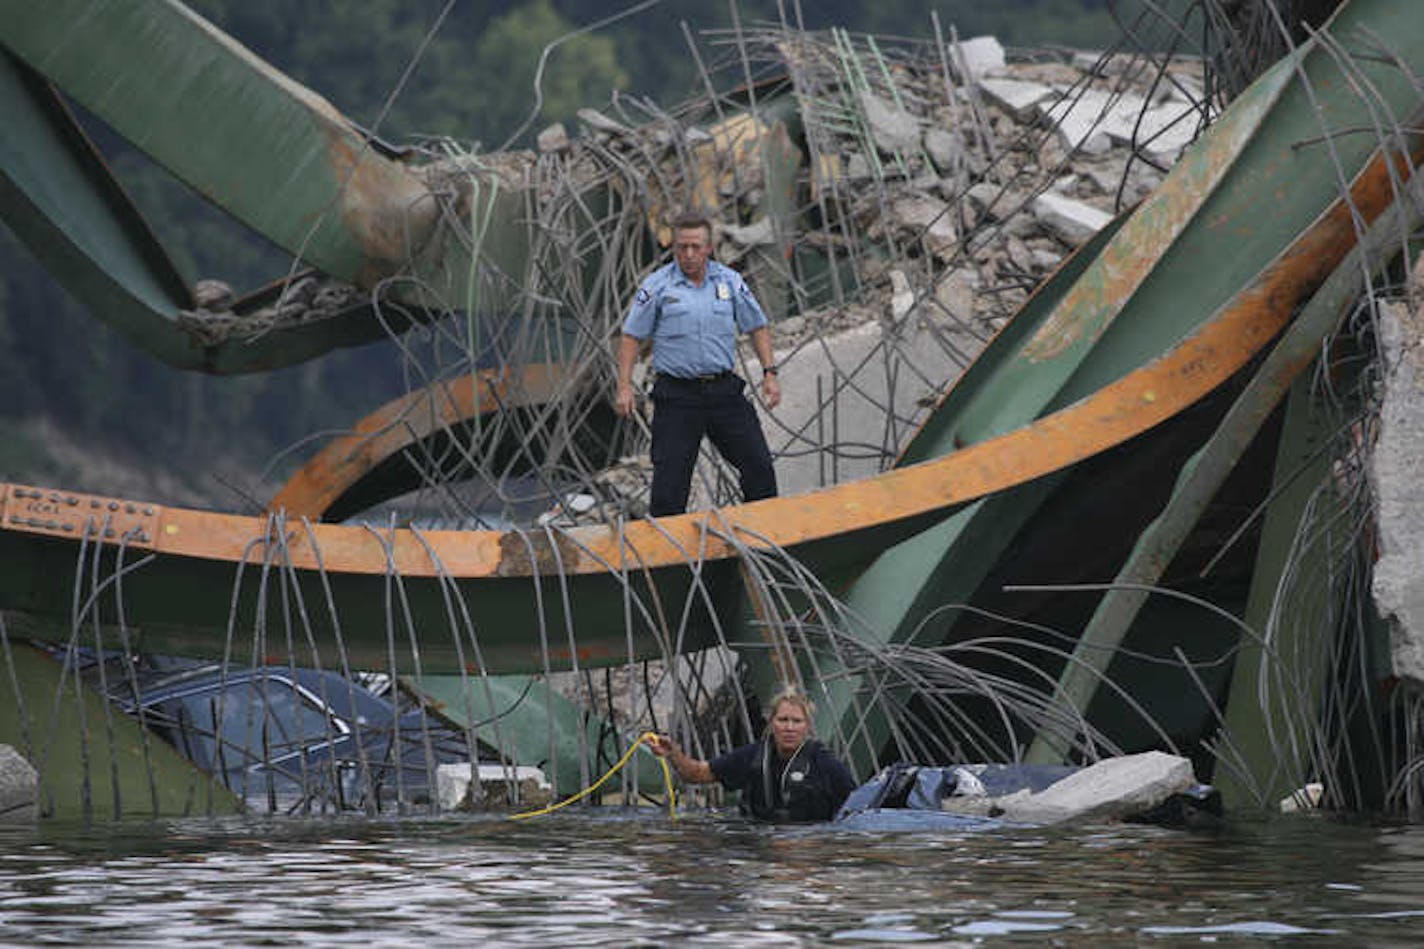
(620, 878)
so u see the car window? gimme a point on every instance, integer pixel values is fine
(257, 721)
(301, 722)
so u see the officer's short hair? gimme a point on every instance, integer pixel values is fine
(692, 219)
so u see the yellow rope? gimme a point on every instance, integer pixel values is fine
(667, 781)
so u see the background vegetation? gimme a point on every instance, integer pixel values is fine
(85, 410)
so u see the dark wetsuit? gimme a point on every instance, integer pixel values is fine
(810, 786)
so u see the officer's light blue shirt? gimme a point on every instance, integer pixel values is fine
(694, 329)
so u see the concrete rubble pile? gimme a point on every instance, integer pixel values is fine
(939, 199)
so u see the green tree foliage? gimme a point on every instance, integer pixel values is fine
(576, 70)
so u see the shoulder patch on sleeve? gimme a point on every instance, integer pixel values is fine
(644, 296)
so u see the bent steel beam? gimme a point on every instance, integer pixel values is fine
(330, 485)
(1205, 472)
(286, 163)
(1219, 236)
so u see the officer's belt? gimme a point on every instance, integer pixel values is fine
(705, 377)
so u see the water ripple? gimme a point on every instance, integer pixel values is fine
(598, 878)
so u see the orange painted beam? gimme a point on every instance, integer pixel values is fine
(404, 422)
(1111, 416)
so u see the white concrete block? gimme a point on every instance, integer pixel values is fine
(1111, 789)
(1071, 220)
(1397, 479)
(978, 57)
(454, 786)
(19, 787)
(1017, 97)
(895, 131)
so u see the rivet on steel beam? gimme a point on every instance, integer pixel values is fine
(113, 505)
(93, 502)
(130, 508)
(71, 500)
(149, 511)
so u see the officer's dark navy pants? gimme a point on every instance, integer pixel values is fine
(684, 410)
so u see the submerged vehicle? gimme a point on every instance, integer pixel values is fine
(286, 738)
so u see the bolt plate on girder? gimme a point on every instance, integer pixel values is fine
(67, 514)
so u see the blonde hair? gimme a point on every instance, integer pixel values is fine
(793, 696)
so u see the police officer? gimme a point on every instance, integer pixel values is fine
(691, 309)
(787, 776)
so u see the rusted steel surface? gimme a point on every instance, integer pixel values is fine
(1129, 259)
(403, 422)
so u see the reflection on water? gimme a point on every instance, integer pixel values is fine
(607, 878)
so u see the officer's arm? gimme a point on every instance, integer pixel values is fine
(627, 356)
(770, 380)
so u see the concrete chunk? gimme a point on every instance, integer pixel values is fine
(1160, 133)
(1072, 221)
(894, 130)
(1083, 117)
(1397, 480)
(1109, 790)
(455, 785)
(945, 149)
(978, 57)
(928, 217)
(955, 294)
(19, 787)
(554, 138)
(1016, 96)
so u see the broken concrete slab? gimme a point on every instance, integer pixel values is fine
(929, 218)
(1112, 789)
(499, 786)
(1016, 96)
(895, 131)
(1072, 221)
(553, 138)
(1084, 118)
(945, 149)
(1160, 133)
(978, 57)
(1397, 481)
(19, 787)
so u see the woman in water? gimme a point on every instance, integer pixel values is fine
(787, 776)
